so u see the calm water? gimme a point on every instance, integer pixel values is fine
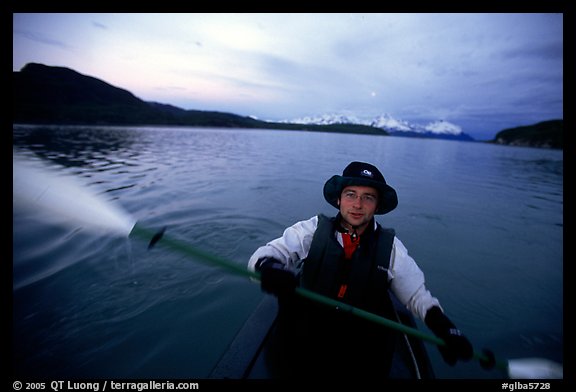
(484, 222)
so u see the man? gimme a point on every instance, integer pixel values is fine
(352, 259)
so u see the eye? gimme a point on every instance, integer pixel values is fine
(350, 195)
(369, 198)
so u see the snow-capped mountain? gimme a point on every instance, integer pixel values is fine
(437, 129)
(389, 123)
(443, 127)
(327, 119)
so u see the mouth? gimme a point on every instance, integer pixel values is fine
(356, 215)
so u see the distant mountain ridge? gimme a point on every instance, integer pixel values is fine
(57, 95)
(396, 127)
(44, 94)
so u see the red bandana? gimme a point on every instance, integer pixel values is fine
(350, 245)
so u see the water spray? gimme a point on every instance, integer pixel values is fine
(63, 198)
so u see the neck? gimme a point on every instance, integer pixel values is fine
(358, 229)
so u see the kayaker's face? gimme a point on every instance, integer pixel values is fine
(358, 205)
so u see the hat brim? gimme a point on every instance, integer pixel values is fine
(387, 197)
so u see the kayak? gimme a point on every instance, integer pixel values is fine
(246, 356)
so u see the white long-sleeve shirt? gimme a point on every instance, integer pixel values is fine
(405, 277)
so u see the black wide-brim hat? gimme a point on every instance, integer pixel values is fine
(361, 174)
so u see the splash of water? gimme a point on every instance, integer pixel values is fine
(65, 198)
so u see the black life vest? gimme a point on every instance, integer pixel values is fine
(366, 274)
(318, 341)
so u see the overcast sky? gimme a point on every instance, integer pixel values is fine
(482, 72)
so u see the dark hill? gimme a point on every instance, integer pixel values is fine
(58, 95)
(546, 134)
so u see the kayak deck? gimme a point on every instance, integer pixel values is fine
(245, 357)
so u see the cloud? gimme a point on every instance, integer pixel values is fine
(99, 25)
(276, 66)
(42, 39)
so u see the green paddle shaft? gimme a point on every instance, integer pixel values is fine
(241, 270)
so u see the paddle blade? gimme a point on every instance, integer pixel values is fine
(534, 368)
(156, 237)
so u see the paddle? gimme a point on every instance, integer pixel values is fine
(36, 185)
(529, 368)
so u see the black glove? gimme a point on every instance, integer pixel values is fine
(457, 345)
(489, 361)
(274, 278)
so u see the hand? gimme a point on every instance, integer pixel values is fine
(275, 279)
(489, 361)
(457, 345)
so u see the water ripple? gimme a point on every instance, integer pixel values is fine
(484, 222)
